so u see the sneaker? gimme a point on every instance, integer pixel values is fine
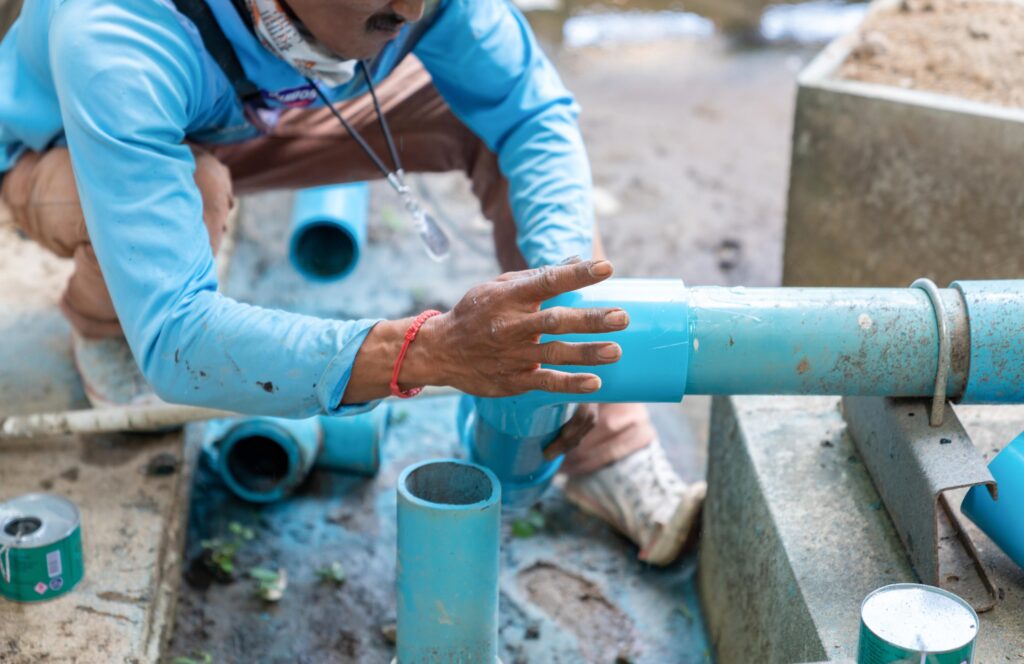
(644, 498)
(109, 373)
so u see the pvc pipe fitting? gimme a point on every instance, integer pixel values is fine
(508, 435)
(1003, 519)
(351, 444)
(329, 230)
(449, 531)
(264, 459)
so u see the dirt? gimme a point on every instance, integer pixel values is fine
(965, 48)
(605, 633)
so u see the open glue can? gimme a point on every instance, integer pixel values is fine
(40, 547)
(912, 623)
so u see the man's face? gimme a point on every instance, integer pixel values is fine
(355, 29)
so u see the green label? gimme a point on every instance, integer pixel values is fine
(872, 649)
(42, 573)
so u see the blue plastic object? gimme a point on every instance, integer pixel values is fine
(351, 444)
(449, 531)
(263, 459)
(1003, 519)
(509, 435)
(329, 230)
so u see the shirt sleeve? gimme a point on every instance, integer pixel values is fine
(488, 66)
(127, 77)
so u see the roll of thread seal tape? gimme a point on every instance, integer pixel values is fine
(40, 547)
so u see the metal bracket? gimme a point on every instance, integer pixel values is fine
(912, 464)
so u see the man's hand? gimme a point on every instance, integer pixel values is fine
(573, 431)
(489, 343)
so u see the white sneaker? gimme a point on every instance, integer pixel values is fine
(644, 498)
(109, 373)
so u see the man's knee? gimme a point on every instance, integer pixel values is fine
(213, 180)
(41, 194)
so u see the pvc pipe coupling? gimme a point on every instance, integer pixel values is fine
(449, 532)
(508, 435)
(264, 459)
(329, 230)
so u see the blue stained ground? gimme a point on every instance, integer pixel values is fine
(573, 592)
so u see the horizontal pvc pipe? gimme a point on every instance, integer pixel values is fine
(825, 341)
(995, 311)
(351, 444)
(329, 230)
(509, 435)
(264, 459)
(1002, 519)
(449, 529)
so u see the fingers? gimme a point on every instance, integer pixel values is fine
(567, 320)
(551, 281)
(550, 380)
(582, 422)
(588, 354)
(522, 274)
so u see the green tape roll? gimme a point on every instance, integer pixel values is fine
(40, 547)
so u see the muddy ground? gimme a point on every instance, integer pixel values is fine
(689, 140)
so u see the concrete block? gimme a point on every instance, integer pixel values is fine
(795, 534)
(889, 184)
(132, 519)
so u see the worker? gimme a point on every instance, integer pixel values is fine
(127, 127)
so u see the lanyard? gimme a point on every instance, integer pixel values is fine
(435, 238)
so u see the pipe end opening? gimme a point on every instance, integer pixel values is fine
(257, 463)
(325, 251)
(449, 483)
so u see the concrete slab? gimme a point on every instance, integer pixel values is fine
(795, 534)
(132, 522)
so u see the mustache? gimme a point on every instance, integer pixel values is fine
(384, 22)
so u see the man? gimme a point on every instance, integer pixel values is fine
(126, 126)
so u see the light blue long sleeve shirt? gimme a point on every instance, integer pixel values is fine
(125, 82)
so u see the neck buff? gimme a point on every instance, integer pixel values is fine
(277, 32)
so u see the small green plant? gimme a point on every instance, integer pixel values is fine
(334, 573)
(270, 584)
(398, 416)
(221, 551)
(195, 658)
(529, 525)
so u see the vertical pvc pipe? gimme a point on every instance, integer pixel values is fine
(351, 444)
(449, 529)
(329, 230)
(264, 459)
(509, 435)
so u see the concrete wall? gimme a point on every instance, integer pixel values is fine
(887, 185)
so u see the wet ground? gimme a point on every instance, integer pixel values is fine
(688, 133)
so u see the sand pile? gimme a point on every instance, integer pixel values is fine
(966, 48)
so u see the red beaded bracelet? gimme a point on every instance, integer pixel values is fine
(410, 334)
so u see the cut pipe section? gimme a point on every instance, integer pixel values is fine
(329, 230)
(449, 530)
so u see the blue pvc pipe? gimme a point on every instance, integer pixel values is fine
(329, 230)
(509, 435)
(449, 530)
(351, 444)
(264, 459)
(996, 313)
(1003, 519)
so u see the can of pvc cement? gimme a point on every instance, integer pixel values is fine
(912, 623)
(40, 547)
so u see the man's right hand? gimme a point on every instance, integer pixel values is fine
(489, 343)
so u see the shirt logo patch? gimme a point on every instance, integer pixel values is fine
(293, 97)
